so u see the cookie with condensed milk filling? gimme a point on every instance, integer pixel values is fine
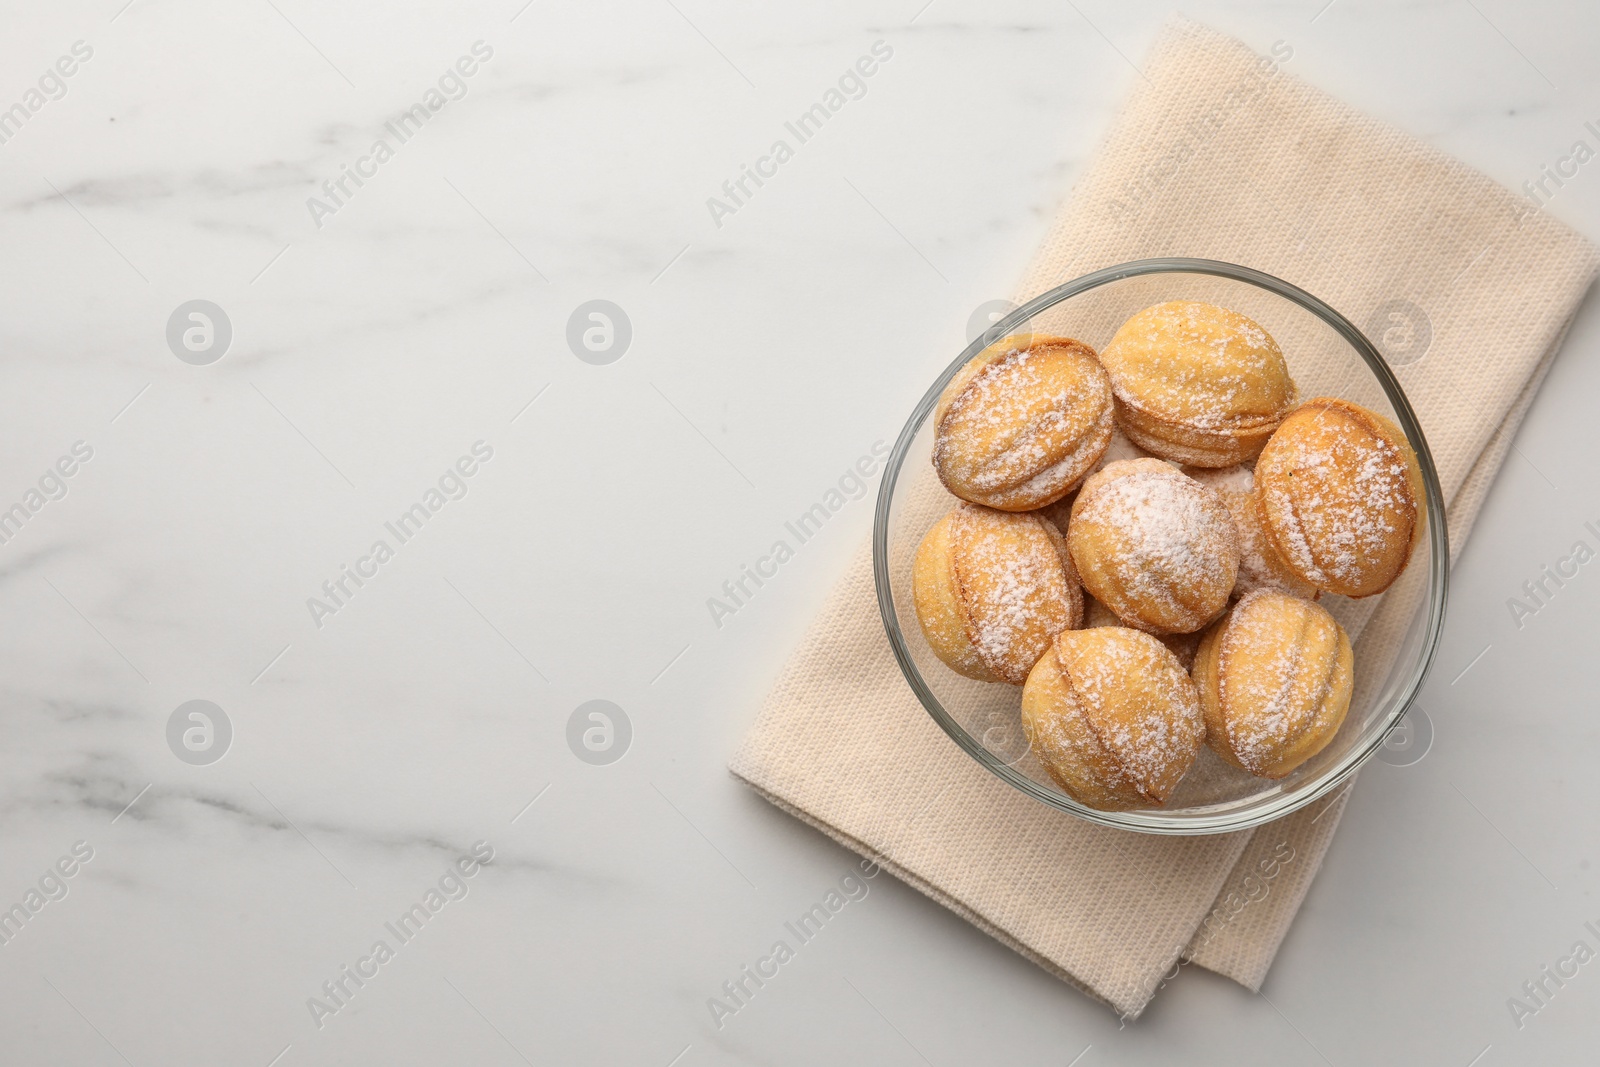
(991, 589)
(1154, 545)
(1113, 717)
(1275, 677)
(1197, 384)
(1341, 497)
(1023, 422)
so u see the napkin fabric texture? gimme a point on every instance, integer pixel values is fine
(1221, 154)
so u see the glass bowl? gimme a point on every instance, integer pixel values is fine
(1394, 634)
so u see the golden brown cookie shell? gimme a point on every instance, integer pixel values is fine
(1023, 422)
(1274, 678)
(1341, 497)
(1197, 384)
(1154, 545)
(1113, 717)
(991, 589)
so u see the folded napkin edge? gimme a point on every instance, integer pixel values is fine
(1130, 1010)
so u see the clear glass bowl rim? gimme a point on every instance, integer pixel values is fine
(1151, 820)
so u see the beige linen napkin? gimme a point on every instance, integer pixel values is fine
(1218, 154)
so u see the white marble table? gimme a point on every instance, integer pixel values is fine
(381, 335)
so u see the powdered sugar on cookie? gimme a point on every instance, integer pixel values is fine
(1140, 703)
(1338, 495)
(1023, 424)
(1015, 587)
(1154, 545)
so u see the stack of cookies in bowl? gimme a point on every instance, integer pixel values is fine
(1141, 542)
